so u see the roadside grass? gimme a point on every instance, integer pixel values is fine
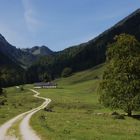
(14, 130)
(78, 115)
(17, 102)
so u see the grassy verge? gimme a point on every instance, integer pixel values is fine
(77, 114)
(14, 130)
(17, 102)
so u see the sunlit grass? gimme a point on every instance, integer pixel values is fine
(17, 102)
(78, 115)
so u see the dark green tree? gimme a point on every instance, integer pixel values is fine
(2, 94)
(21, 87)
(66, 72)
(120, 87)
(1, 90)
(45, 77)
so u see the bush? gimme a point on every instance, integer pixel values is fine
(21, 88)
(2, 101)
(116, 115)
(49, 108)
(3, 96)
(1, 91)
(66, 72)
(45, 77)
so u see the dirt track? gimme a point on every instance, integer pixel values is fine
(26, 131)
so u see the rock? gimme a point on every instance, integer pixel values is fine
(48, 109)
(118, 117)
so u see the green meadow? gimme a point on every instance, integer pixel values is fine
(17, 102)
(78, 115)
(75, 111)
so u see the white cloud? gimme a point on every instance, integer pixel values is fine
(30, 16)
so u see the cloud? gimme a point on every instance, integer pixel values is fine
(30, 16)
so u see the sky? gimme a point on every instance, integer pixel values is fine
(59, 24)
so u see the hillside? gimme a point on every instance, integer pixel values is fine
(23, 57)
(39, 60)
(10, 72)
(14, 62)
(93, 52)
(16, 55)
(75, 107)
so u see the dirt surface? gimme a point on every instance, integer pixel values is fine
(26, 131)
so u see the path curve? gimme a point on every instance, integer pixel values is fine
(25, 122)
(25, 129)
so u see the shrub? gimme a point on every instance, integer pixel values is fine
(119, 116)
(2, 100)
(1, 91)
(66, 72)
(115, 113)
(21, 88)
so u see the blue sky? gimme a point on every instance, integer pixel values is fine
(59, 24)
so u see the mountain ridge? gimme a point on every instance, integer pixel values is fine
(39, 50)
(23, 57)
(78, 57)
(93, 52)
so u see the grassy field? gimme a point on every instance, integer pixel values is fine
(17, 102)
(77, 114)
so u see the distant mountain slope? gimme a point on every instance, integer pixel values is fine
(39, 51)
(23, 57)
(13, 62)
(10, 73)
(4, 60)
(16, 55)
(92, 53)
(78, 57)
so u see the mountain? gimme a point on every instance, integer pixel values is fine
(13, 62)
(39, 51)
(91, 53)
(16, 55)
(10, 73)
(23, 57)
(79, 57)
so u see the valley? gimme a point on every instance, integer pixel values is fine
(75, 110)
(89, 91)
(34, 62)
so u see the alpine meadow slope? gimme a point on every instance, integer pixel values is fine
(75, 112)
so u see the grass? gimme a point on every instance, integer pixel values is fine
(75, 115)
(14, 130)
(76, 112)
(17, 102)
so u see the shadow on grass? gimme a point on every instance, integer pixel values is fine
(136, 117)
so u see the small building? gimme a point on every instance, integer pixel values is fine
(45, 85)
